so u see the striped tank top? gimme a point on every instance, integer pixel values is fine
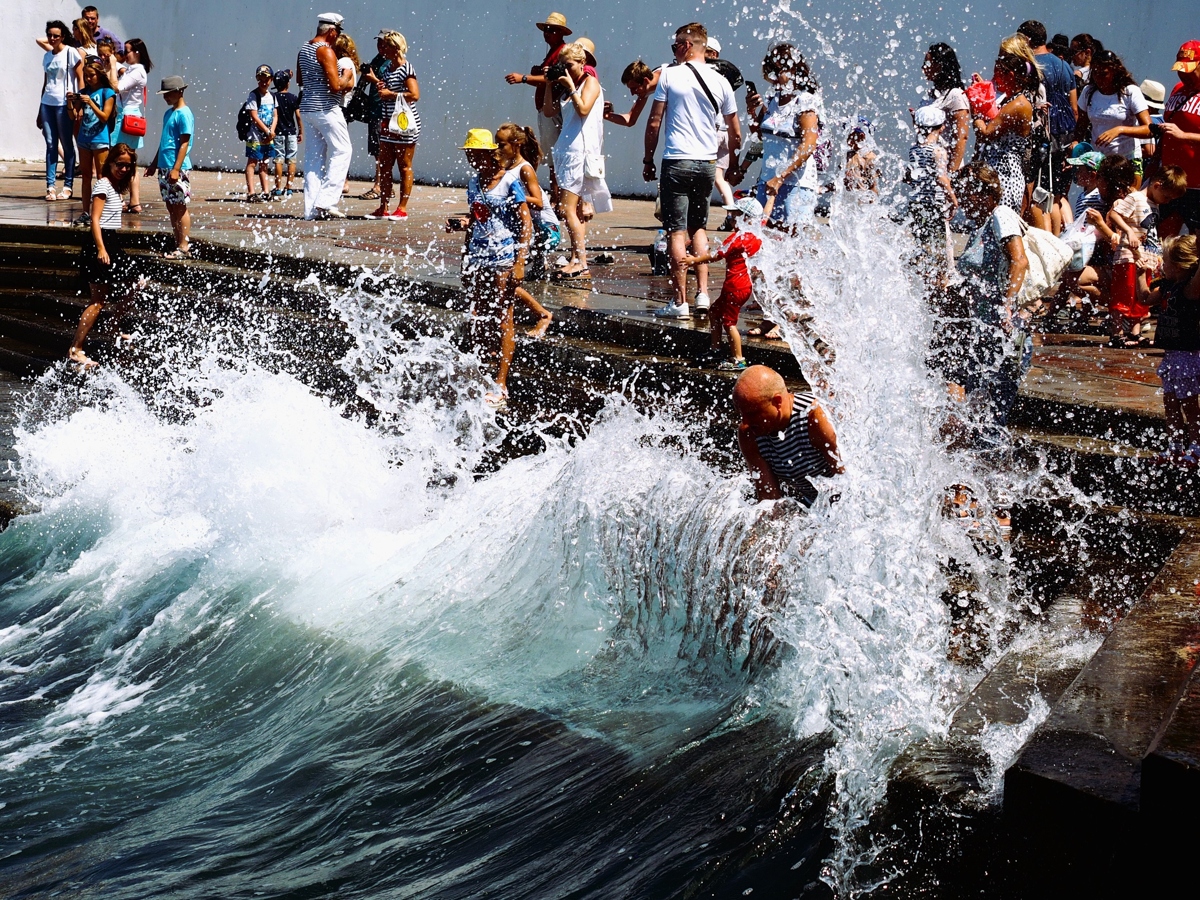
(316, 97)
(791, 454)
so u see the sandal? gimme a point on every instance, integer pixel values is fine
(135, 210)
(51, 196)
(581, 275)
(372, 194)
(64, 194)
(178, 253)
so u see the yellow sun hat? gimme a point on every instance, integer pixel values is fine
(480, 139)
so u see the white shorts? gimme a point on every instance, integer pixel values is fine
(723, 149)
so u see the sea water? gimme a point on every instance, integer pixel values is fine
(255, 644)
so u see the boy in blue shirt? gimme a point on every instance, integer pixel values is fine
(173, 161)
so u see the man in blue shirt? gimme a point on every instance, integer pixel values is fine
(1062, 101)
(91, 15)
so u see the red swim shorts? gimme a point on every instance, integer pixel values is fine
(1123, 293)
(729, 305)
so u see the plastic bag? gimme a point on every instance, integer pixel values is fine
(982, 97)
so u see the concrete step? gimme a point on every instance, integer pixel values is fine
(1124, 474)
(23, 358)
(1074, 793)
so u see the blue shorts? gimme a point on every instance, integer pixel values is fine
(100, 143)
(794, 206)
(259, 152)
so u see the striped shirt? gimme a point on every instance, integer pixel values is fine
(316, 96)
(926, 163)
(111, 217)
(394, 80)
(790, 453)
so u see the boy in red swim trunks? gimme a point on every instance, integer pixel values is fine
(723, 316)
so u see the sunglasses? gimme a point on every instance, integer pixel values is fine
(122, 165)
(679, 44)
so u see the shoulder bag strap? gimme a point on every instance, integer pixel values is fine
(707, 92)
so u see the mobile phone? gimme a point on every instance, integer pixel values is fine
(750, 88)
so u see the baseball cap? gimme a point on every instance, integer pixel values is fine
(1187, 57)
(714, 44)
(929, 117)
(1079, 149)
(264, 69)
(1091, 159)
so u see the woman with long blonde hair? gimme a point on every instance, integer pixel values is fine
(1004, 142)
(400, 80)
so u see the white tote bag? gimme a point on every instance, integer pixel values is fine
(403, 123)
(1048, 258)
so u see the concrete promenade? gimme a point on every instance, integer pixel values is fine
(1071, 369)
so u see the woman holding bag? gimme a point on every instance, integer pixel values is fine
(401, 124)
(579, 151)
(131, 108)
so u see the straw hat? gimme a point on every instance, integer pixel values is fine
(480, 139)
(555, 20)
(1154, 93)
(589, 48)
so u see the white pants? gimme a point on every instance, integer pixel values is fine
(326, 159)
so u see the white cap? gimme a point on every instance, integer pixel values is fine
(929, 117)
(714, 44)
(748, 206)
(330, 19)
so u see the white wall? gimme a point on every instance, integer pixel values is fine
(462, 49)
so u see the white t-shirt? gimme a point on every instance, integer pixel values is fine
(690, 124)
(130, 87)
(110, 216)
(781, 136)
(60, 75)
(1107, 111)
(346, 64)
(1137, 210)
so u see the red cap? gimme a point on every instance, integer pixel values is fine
(1188, 57)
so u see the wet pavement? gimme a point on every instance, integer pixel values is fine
(1067, 369)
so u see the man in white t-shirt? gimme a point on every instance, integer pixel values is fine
(691, 101)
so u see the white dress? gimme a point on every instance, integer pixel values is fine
(581, 138)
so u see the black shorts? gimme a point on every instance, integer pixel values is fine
(117, 273)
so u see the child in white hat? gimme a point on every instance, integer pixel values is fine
(931, 201)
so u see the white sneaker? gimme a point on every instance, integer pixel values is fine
(702, 302)
(673, 311)
(334, 213)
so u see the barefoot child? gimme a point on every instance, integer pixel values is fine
(173, 161)
(1178, 334)
(723, 317)
(519, 154)
(104, 263)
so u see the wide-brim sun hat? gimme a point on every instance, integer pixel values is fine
(555, 20)
(480, 139)
(1154, 93)
(589, 49)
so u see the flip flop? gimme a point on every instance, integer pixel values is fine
(581, 275)
(135, 210)
(178, 254)
(771, 334)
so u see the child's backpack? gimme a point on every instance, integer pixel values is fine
(245, 124)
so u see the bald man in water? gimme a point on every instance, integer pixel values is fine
(786, 438)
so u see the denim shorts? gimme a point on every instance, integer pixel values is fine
(286, 147)
(684, 191)
(794, 206)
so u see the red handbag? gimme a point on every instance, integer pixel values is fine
(135, 126)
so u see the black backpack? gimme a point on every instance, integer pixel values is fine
(245, 124)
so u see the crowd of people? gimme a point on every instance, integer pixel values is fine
(1074, 190)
